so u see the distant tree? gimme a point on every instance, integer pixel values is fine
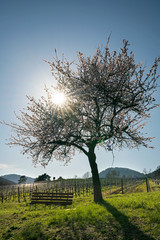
(158, 167)
(87, 175)
(108, 99)
(157, 173)
(150, 171)
(22, 179)
(145, 171)
(60, 178)
(43, 177)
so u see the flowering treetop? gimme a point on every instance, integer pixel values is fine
(106, 99)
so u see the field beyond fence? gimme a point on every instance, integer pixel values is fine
(79, 187)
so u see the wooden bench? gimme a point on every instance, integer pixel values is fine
(51, 198)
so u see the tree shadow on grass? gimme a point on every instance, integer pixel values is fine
(130, 231)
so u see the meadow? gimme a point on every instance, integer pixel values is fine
(130, 216)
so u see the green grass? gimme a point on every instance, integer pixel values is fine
(134, 216)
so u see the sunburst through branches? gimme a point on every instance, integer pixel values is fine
(59, 98)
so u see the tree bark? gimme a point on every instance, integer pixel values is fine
(95, 176)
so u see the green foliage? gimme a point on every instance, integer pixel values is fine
(33, 231)
(134, 215)
(43, 177)
(22, 179)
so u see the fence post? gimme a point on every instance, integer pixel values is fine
(18, 195)
(147, 185)
(122, 186)
(2, 197)
(110, 184)
(75, 189)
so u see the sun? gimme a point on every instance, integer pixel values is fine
(59, 98)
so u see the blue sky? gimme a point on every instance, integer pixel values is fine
(30, 30)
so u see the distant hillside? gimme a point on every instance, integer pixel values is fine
(15, 177)
(5, 182)
(120, 172)
(155, 174)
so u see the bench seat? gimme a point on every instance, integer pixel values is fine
(49, 198)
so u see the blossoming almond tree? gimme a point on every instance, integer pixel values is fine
(107, 99)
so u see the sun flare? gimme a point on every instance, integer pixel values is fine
(59, 98)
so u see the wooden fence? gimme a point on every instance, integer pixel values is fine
(80, 187)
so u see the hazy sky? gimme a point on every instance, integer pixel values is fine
(29, 32)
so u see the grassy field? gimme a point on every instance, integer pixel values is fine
(133, 216)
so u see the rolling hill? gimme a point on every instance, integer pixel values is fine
(15, 177)
(5, 182)
(120, 172)
(155, 174)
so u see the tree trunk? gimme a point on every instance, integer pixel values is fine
(95, 176)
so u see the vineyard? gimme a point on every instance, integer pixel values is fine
(79, 187)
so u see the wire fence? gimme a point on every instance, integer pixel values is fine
(79, 187)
